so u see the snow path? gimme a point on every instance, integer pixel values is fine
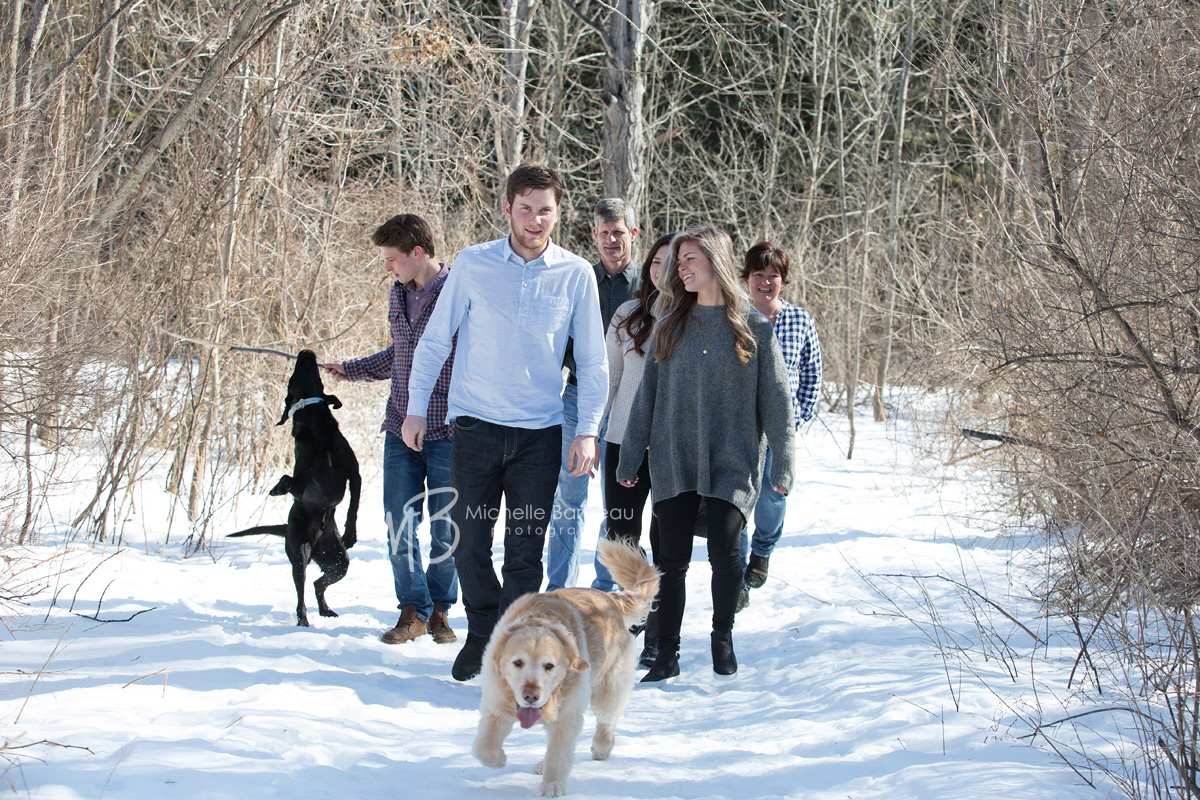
(215, 694)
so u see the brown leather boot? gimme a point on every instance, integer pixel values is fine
(439, 626)
(407, 629)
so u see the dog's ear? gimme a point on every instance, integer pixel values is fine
(287, 403)
(332, 400)
(497, 644)
(571, 646)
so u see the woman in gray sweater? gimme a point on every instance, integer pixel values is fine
(713, 394)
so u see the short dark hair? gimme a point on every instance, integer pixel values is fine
(405, 232)
(762, 256)
(528, 177)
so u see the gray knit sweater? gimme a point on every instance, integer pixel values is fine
(707, 418)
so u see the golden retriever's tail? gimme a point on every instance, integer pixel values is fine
(630, 569)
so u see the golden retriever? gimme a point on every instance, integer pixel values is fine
(552, 653)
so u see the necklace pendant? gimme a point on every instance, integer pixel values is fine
(704, 352)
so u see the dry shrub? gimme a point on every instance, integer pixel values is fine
(1090, 336)
(250, 227)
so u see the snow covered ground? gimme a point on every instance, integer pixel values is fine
(208, 690)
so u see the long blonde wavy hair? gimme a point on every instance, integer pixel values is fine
(675, 303)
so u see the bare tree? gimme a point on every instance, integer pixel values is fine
(510, 129)
(1088, 332)
(623, 148)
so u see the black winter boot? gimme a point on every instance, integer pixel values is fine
(666, 664)
(649, 653)
(650, 645)
(756, 571)
(724, 661)
(469, 661)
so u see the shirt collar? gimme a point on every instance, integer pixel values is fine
(548, 256)
(631, 271)
(430, 285)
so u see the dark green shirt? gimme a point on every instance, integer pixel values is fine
(614, 290)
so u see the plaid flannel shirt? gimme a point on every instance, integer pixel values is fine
(396, 363)
(797, 334)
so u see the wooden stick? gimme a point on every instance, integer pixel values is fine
(237, 347)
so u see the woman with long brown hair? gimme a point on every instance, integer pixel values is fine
(714, 393)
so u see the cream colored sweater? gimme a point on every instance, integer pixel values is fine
(624, 373)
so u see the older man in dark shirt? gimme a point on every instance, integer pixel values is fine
(617, 277)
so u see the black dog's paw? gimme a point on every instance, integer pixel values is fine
(283, 487)
(302, 622)
(350, 539)
(328, 612)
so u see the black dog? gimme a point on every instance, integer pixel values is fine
(325, 464)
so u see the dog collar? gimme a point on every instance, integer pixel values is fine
(299, 404)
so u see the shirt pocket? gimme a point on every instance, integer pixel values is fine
(551, 313)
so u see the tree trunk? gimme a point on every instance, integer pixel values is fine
(899, 117)
(27, 524)
(196, 490)
(23, 80)
(850, 357)
(623, 159)
(108, 55)
(510, 129)
(765, 229)
(11, 60)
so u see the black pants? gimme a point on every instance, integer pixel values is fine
(624, 506)
(677, 525)
(489, 460)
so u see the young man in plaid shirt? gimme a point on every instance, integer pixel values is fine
(424, 596)
(765, 272)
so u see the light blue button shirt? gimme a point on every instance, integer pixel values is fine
(513, 319)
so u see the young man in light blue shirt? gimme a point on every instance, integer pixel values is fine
(513, 302)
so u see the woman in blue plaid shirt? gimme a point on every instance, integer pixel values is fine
(765, 272)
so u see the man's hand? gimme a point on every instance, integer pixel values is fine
(413, 432)
(336, 370)
(780, 490)
(581, 459)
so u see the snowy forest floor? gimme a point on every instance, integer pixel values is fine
(862, 662)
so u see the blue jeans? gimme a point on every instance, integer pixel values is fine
(562, 557)
(409, 478)
(769, 511)
(521, 465)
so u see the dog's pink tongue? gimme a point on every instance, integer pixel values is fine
(528, 716)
